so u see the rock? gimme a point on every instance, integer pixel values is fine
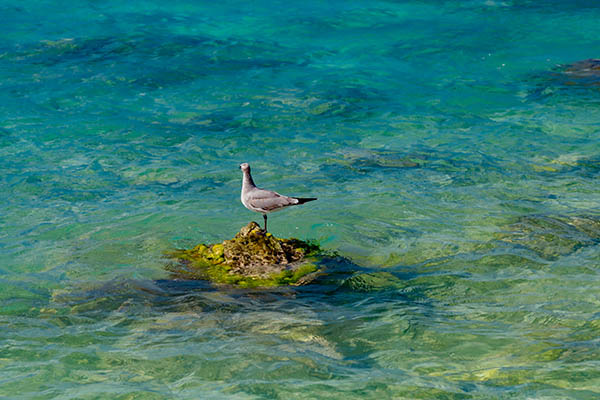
(585, 69)
(580, 74)
(580, 79)
(374, 281)
(252, 258)
(553, 236)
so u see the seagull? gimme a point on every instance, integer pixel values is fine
(265, 201)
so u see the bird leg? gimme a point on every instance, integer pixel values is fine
(265, 217)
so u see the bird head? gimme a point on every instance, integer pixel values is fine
(245, 167)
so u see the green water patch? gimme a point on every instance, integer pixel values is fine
(122, 297)
(571, 164)
(551, 237)
(527, 242)
(373, 282)
(19, 298)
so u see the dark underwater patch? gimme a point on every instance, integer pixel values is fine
(551, 237)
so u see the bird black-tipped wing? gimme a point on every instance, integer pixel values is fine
(302, 200)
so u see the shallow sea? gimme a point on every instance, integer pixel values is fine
(454, 148)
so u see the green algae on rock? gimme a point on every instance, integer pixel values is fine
(252, 258)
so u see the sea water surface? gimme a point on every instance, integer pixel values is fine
(454, 147)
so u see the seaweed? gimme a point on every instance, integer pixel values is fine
(253, 258)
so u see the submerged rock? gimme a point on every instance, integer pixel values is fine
(373, 281)
(580, 79)
(553, 236)
(585, 71)
(252, 258)
(584, 74)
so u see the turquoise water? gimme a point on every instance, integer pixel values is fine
(455, 154)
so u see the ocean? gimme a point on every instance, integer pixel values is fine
(454, 148)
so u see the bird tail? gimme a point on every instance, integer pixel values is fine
(302, 200)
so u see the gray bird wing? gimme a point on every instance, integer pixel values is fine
(269, 201)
